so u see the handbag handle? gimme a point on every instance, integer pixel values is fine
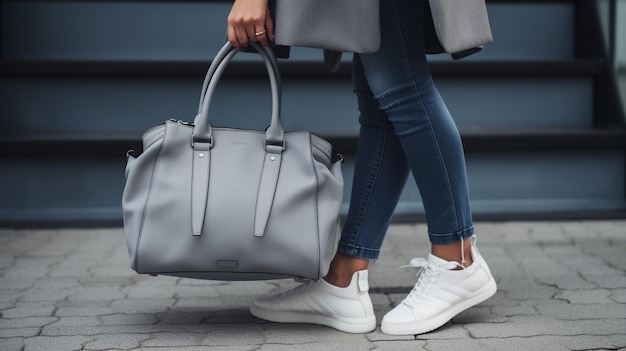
(219, 58)
(202, 142)
(203, 130)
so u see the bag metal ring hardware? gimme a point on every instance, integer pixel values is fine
(282, 144)
(193, 141)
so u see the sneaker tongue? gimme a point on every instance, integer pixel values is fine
(436, 261)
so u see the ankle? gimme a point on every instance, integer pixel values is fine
(342, 268)
(460, 252)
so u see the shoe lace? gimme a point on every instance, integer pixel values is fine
(426, 279)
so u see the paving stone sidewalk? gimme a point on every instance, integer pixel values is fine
(562, 286)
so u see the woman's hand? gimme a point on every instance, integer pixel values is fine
(250, 20)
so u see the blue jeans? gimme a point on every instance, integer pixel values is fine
(405, 126)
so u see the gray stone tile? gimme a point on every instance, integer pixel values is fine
(529, 343)
(5, 306)
(528, 326)
(107, 271)
(590, 266)
(500, 299)
(479, 314)
(74, 321)
(518, 288)
(117, 342)
(229, 335)
(245, 289)
(234, 316)
(92, 281)
(18, 242)
(606, 229)
(142, 306)
(82, 308)
(595, 296)
(56, 283)
(53, 248)
(324, 346)
(97, 294)
(619, 296)
(10, 295)
(566, 282)
(450, 330)
(48, 294)
(190, 316)
(214, 303)
(150, 292)
(608, 281)
(571, 311)
(19, 333)
(10, 323)
(11, 344)
(298, 335)
(23, 273)
(522, 308)
(610, 251)
(201, 348)
(56, 343)
(123, 329)
(378, 337)
(70, 270)
(30, 309)
(401, 345)
(129, 319)
(16, 282)
(166, 339)
(6, 262)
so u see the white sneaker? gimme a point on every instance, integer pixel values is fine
(440, 294)
(347, 309)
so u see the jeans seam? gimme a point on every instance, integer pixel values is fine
(428, 120)
(358, 220)
(442, 164)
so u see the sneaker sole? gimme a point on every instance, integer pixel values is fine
(348, 325)
(440, 320)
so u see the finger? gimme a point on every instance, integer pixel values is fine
(242, 37)
(232, 36)
(261, 37)
(269, 26)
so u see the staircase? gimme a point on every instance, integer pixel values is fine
(80, 81)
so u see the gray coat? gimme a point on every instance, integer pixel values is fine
(457, 27)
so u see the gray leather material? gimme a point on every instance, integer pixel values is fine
(199, 185)
(262, 218)
(267, 188)
(345, 26)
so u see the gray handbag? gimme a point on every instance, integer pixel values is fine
(232, 204)
(337, 25)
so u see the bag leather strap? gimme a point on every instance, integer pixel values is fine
(202, 141)
(219, 58)
(200, 184)
(267, 188)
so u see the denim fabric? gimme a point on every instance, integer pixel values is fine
(405, 126)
